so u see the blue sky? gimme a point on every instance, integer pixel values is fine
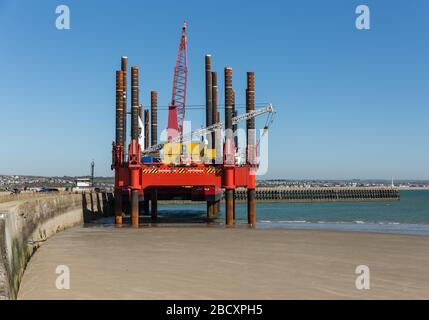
(351, 103)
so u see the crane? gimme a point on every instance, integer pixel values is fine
(217, 126)
(176, 110)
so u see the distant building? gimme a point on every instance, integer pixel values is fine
(82, 184)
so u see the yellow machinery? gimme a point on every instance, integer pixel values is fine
(195, 152)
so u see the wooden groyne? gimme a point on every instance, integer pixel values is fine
(321, 194)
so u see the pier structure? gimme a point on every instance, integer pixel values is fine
(320, 194)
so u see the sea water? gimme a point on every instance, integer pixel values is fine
(409, 215)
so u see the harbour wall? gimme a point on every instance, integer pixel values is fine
(320, 194)
(25, 224)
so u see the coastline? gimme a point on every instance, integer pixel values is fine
(206, 262)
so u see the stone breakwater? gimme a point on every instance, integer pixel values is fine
(25, 224)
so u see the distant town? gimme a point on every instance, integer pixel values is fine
(16, 183)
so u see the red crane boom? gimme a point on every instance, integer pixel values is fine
(176, 110)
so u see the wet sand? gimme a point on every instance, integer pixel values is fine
(218, 263)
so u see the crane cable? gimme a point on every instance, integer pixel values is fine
(268, 122)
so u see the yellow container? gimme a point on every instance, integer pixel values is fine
(195, 151)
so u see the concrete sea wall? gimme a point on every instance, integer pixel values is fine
(25, 224)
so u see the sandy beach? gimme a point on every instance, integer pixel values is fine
(218, 263)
